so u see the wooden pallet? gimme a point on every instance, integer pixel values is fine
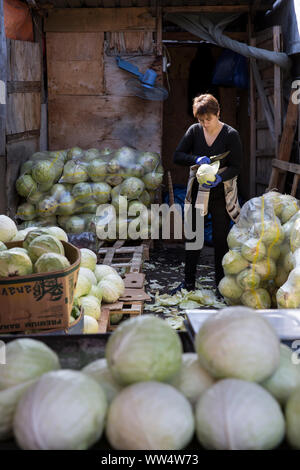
(131, 304)
(129, 257)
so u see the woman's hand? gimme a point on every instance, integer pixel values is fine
(212, 184)
(201, 160)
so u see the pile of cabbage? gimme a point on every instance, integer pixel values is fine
(96, 283)
(147, 394)
(42, 251)
(71, 188)
(261, 265)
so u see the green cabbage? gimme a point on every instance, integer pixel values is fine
(192, 380)
(100, 372)
(63, 410)
(285, 379)
(142, 349)
(250, 342)
(44, 172)
(88, 259)
(238, 415)
(8, 229)
(25, 185)
(50, 262)
(26, 359)
(97, 170)
(26, 211)
(44, 244)
(150, 416)
(13, 263)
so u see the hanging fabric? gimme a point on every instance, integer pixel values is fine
(210, 27)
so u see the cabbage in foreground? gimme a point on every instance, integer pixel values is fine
(26, 359)
(64, 410)
(292, 416)
(238, 415)
(143, 349)
(285, 379)
(192, 380)
(250, 343)
(100, 372)
(150, 416)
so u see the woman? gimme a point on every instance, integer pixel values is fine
(207, 138)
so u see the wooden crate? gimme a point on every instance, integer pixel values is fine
(128, 309)
(131, 304)
(121, 256)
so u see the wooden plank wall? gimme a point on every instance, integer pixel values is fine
(3, 79)
(264, 147)
(176, 119)
(89, 104)
(23, 118)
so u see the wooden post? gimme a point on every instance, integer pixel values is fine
(159, 50)
(264, 100)
(277, 90)
(285, 146)
(3, 80)
(252, 130)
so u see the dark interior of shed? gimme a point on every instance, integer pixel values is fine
(191, 71)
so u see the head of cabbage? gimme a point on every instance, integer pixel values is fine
(142, 349)
(63, 410)
(150, 416)
(250, 342)
(207, 173)
(238, 415)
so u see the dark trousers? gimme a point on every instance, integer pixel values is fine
(220, 229)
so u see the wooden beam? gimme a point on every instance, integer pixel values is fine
(186, 36)
(23, 87)
(99, 19)
(289, 130)
(286, 166)
(207, 9)
(264, 100)
(26, 135)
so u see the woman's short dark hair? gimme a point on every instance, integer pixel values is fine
(205, 104)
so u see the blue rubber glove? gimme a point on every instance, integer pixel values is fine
(201, 160)
(213, 184)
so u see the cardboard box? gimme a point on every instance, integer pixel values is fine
(39, 301)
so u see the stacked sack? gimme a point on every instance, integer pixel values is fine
(260, 257)
(96, 283)
(68, 187)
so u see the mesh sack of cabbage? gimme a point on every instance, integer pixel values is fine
(259, 259)
(72, 184)
(37, 177)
